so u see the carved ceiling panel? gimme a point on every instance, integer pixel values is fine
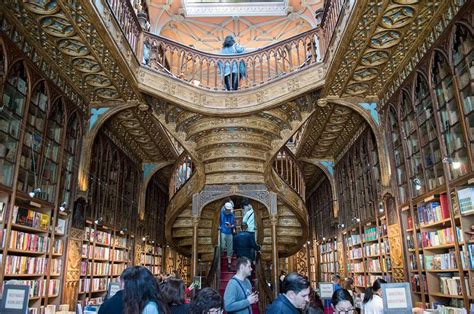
(312, 174)
(168, 19)
(380, 44)
(64, 32)
(329, 129)
(143, 134)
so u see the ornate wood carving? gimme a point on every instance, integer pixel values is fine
(396, 252)
(73, 267)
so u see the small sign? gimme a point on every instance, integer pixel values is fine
(15, 299)
(197, 282)
(326, 290)
(114, 287)
(397, 298)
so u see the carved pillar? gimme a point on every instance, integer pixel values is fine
(73, 267)
(274, 222)
(195, 246)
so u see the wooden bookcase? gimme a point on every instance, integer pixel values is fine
(152, 257)
(329, 264)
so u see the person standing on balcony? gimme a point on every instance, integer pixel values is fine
(227, 226)
(235, 71)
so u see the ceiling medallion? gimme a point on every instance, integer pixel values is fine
(406, 1)
(72, 47)
(107, 93)
(385, 39)
(398, 16)
(57, 26)
(97, 80)
(357, 88)
(375, 57)
(365, 74)
(86, 65)
(42, 7)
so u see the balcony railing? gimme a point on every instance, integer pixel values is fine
(332, 10)
(288, 168)
(205, 69)
(182, 171)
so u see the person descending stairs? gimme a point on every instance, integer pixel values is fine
(238, 285)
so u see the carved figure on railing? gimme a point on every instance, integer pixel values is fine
(232, 72)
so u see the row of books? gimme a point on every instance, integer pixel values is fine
(440, 237)
(98, 236)
(356, 267)
(451, 285)
(328, 247)
(328, 258)
(153, 250)
(28, 242)
(417, 282)
(373, 265)
(328, 268)
(370, 234)
(441, 261)
(120, 255)
(30, 218)
(360, 280)
(355, 253)
(56, 266)
(93, 284)
(376, 249)
(155, 270)
(353, 239)
(412, 261)
(96, 252)
(25, 265)
(149, 259)
(433, 211)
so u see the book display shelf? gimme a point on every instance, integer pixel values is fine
(32, 253)
(152, 258)
(328, 264)
(105, 254)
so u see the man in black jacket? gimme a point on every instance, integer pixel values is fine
(294, 297)
(244, 244)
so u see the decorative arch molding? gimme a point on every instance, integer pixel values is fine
(367, 112)
(256, 192)
(97, 118)
(149, 170)
(327, 167)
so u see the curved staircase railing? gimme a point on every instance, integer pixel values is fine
(212, 279)
(182, 172)
(202, 69)
(205, 69)
(289, 170)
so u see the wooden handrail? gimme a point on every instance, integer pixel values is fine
(205, 69)
(289, 170)
(332, 10)
(127, 19)
(182, 171)
(265, 293)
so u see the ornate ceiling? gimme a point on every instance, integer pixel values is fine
(167, 19)
(312, 175)
(61, 40)
(379, 44)
(329, 129)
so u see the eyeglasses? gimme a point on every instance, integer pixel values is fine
(214, 310)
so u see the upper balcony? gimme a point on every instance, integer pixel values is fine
(203, 70)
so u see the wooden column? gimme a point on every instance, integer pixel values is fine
(195, 246)
(274, 221)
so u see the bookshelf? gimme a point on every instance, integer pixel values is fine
(152, 257)
(328, 264)
(355, 257)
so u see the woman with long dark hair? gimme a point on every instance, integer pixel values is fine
(373, 303)
(141, 293)
(173, 295)
(315, 305)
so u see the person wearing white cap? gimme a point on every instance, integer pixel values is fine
(226, 226)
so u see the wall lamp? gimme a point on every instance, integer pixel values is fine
(417, 183)
(63, 207)
(456, 164)
(34, 192)
(99, 221)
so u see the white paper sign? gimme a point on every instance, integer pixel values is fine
(14, 299)
(326, 290)
(396, 298)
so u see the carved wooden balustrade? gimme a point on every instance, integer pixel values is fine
(332, 10)
(182, 171)
(205, 69)
(128, 21)
(288, 168)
